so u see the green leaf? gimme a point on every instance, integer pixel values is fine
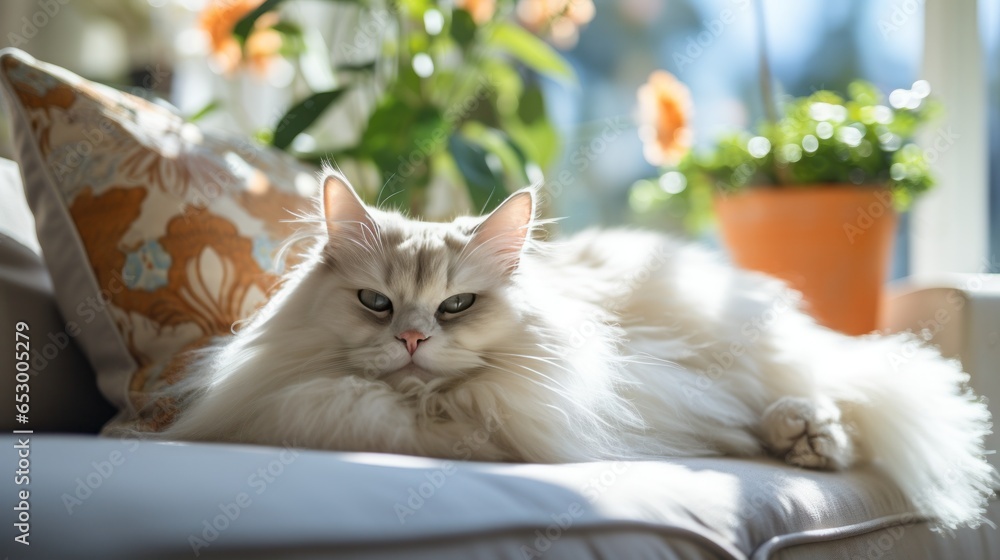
(396, 131)
(359, 67)
(507, 83)
(498, 143)
(244, 26)
(864, 92)
(522, 158)
(485, 186)
(539, 141)
(463, 27)
(263, 136)
(287, 28)
(293, 41)
(210, 107)
(531, 51)
(303, 114)
(532, 105)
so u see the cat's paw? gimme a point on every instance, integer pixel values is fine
(807, 433)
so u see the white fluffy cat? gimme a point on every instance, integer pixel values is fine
(471, 340)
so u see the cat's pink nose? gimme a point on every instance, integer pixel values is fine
(411, 339)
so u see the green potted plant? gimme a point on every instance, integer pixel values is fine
(811, 196)
(453, 111)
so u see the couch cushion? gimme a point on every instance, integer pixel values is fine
(229, 501)
(62, 388)
(157, 236)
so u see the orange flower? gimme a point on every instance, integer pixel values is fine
(263, 43)
(559, 19)
(664, 110)
(218, 18)
(481, 10)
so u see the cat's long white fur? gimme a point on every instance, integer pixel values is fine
(606, 345)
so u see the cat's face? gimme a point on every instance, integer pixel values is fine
(419, 300)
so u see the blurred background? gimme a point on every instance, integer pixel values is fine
(589, 152)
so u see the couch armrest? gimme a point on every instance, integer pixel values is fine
(961, 314)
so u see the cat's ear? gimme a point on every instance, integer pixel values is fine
(506, 229)
(345, 213)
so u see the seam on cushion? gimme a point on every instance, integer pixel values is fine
(781, 542)
(118, 388)
(720, 548)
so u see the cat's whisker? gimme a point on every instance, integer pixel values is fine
(562, 387)
(549, 361)
(654, 361)
(464, 255)
(563, 391)
(388, 198)
(381, 190)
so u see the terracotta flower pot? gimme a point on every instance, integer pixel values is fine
(831, 242)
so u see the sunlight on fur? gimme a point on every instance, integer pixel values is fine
(402, 336)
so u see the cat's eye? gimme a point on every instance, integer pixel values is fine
(374, 300)
(457, 303)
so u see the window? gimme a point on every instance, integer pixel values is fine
(712, 46)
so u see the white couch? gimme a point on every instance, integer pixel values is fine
(92, 497)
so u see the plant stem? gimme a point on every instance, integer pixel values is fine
(764, 64)
(766, 91)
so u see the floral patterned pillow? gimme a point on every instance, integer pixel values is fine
(158, 236)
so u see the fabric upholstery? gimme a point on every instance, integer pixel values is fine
(96, 496)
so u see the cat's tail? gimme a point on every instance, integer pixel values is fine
(916, 419)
